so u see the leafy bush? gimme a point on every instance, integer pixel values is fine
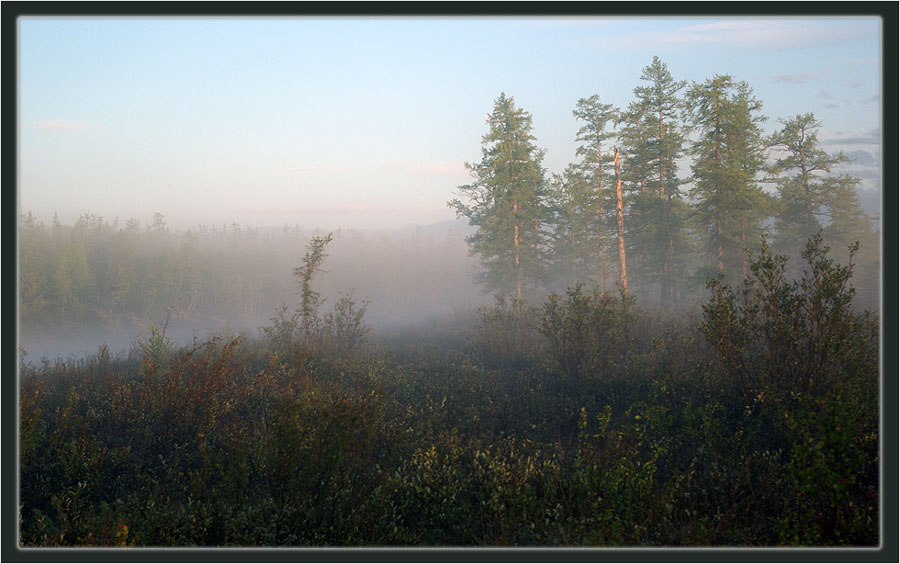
(343, 328)
(779, 337)
(588, 333)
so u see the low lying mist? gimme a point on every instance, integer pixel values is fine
(98, 283)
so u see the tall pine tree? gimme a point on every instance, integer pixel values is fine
(728, 157)
(597, 172)
(506, 201)
(575, 222)
(811, 195)
(653, 141)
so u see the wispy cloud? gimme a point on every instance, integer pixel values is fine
(863, 158)
(60, 125)
(844, 138)
(794, 78)
(758, 33)
(830, 102)
(863, 146)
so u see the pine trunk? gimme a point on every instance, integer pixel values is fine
(804, 172)
(600, 274)
(720, 253)
(572, 244)
(744, 269)
(667, 285)
(662, 170)
(516, 247)
(620, 221)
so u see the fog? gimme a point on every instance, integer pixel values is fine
(97, 282)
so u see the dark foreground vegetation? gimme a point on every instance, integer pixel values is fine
(584, 421)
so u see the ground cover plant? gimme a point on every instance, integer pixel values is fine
(579, 421)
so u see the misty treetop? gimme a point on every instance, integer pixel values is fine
(674, 189)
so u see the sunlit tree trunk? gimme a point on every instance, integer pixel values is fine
(620, 221)
(516, 250)
(600, 275)
(662, 160)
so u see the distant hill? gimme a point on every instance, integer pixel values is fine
(434, 229)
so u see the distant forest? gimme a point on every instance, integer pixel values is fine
(102, 275)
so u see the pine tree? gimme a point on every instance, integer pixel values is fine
(575, 227)
(653, 140)
(659, 121)
(809, 191)
(728, 156)
(848, 223)
(506, 201)
(596, 173)
(35, 288)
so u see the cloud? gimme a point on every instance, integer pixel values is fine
(767, 34)
(856, 137)
(864, 149)
(60, 125)
(863, 158)
(795, 78)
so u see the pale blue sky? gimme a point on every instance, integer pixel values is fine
(366, 122)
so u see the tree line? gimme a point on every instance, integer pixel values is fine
(666, 193)
(110, 275)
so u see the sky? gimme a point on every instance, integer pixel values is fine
(367, 122)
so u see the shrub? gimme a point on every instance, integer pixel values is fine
(506, 335)
(587, 334)
(780, 337)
